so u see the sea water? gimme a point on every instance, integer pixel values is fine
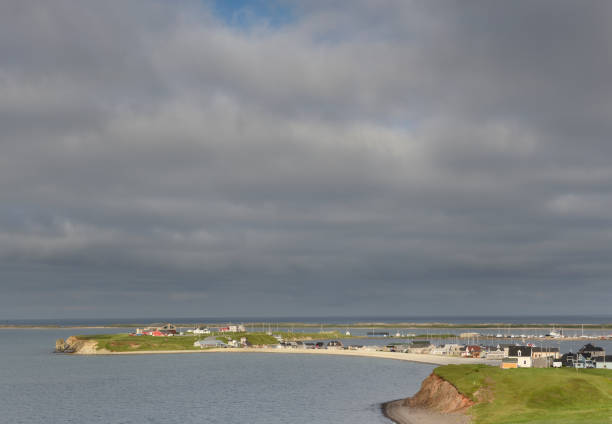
(38, 386)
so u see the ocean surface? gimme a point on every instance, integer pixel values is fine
(346, 320)
(37, 386)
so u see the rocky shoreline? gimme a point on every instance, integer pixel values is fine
(75, 346)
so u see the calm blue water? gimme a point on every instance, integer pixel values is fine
(37, 386)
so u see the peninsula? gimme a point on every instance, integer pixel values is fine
(147, 345)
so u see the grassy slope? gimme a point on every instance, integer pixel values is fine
(127, 343)
(530, 395)
(288, 335)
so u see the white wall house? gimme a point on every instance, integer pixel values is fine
(522, 355)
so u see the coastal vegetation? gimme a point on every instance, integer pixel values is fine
(127, 343)
(124, 342)
(294, 336)
(533, 395)
(254, 339)
(130, 343)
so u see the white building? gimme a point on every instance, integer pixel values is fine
(522, 355)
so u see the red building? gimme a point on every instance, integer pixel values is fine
(472, 351)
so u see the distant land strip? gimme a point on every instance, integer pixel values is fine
(405, 325)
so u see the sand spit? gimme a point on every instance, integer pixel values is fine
(412, 357)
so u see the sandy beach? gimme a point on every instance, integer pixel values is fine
(397, 412)
(412, 357)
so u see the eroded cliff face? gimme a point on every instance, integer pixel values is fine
(74, 345)
(438, 395)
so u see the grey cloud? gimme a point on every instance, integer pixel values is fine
(345, 162)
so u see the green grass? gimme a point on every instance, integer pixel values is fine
(531, 395)
(127, 343)
(254, 339)
(288, 335)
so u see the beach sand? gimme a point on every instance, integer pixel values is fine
(412, 357)
(400, 414)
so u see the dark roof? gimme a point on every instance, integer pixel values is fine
(590, 348)
(545, 349)
(524, 351)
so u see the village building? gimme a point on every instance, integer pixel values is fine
(209, 342)
(493, 352)
(603, 362)
(472, 351)
(232, 329)
(505, 347)
(582, 361)
(450, 349)
(533, 357)
(420, 346)
(522, 354)
(545, 352)
(590, 351)
(157, 329)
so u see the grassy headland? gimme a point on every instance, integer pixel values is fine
(128, 343)
(293, 336)
(530, 395)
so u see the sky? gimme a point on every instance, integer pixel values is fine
(290, 158)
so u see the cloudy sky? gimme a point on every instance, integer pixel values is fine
(280, 158)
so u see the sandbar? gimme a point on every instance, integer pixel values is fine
(411, 357)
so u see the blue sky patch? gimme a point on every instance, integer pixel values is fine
(246, 13)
